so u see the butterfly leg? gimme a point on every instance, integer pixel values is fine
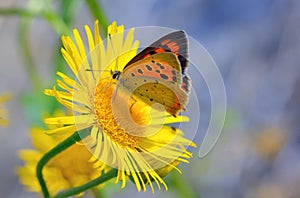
(107, 86)
(134, 101)
(115, 93)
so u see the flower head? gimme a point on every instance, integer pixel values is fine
(125, 134)
(3, 111)
(69, 169)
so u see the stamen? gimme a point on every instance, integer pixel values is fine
(105, 116)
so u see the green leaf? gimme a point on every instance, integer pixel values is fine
(35, 105)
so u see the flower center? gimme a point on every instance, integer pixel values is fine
(105, 117)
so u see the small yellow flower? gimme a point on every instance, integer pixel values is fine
(138, 142)
(69, 169)
(3, 111)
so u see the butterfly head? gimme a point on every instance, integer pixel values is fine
(115, 74)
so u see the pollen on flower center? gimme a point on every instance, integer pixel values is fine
(105, 117)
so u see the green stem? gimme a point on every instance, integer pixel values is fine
(52, 18)
(56, 22)
(67, 10)
(29, 64)
(17, 12)
(98, 13)
(103, 178)
(182, 186)
(76, 137)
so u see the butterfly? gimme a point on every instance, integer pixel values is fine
(157, 73)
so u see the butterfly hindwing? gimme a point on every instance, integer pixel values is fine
(168, 95)
(154, 91)
(186, 83)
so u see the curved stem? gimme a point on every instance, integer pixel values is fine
(16, 12)
(103, 178)
(76, 137)
(55, 22)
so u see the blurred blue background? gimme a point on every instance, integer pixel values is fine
(256, 45)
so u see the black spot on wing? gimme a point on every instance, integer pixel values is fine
(174, 79)
(140, 71)
(149, 67)
(160, 65)
(163, 76)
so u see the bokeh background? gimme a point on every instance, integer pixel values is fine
(256, 45)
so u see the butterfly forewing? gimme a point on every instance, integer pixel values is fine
(159, 67)
(158, 60)
(175, 42)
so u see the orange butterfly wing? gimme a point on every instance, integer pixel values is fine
(176, 43)
(157, 79)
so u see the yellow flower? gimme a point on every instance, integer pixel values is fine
(68, 169)
(268, 148)
(3, 111)
(125, 134)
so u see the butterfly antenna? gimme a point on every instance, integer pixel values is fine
(101, 70)
(113, 49)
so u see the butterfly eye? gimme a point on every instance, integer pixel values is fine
(116, 74)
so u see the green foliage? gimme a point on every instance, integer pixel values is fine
(36, 106)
